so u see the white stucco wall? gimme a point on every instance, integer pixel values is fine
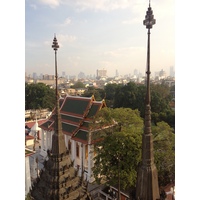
(27, 175)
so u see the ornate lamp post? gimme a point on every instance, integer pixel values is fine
(147, 178)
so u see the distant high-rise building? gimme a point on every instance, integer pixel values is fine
(116, 74)
(101, 73)
(41, 76)
(34, 75)
(63, 74)
(135, 72)
(72, 77)
(172, 72)
(162, 74)
(81, 75)
(48, 77)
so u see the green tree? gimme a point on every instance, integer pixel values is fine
(119, 150)
(98, 93)
(164, 152)
(110, 90)
(118, 154)
(132, 96)
(78, 84)
(38, 96)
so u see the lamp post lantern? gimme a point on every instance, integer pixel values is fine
(147, 178)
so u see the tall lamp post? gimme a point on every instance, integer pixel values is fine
(147, 178)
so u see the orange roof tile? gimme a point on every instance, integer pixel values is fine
(31, 123)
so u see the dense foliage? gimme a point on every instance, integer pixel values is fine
(119, 152)
(39, 96)
(164, 152)
(132, 96)
(98, 93)
(78, 84)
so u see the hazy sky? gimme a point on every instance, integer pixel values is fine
(97, 34)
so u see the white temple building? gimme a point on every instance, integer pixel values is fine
(76, 115)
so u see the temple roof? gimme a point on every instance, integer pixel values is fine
(30, 124)
(76, 114)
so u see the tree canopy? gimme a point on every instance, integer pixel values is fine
(118, 154)
(38, 96)
(98, 93)
(164, 152)
(78, 84)
(132, 96)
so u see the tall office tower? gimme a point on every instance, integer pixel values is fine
(172, 72)
(34, 75)
(162, 74)
(116, 74)
(41, 76)
(81, 75)
(135, 72)
(101, 73)
(63, 74)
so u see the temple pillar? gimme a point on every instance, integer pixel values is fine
(73, 151)
(27, 175)
(42, 140)
(46, 141)
(89, 162)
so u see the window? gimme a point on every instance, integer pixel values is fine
(86, 151)
(77, 149)
(69, 146)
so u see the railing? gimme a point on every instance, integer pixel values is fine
(36, 113)
(100, 195)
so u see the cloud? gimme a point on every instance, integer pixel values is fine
(48, 42)
(66, 22)
(132, 21)
(66, 38)
(123, 52)
(33, 6)
(51, 3)
(95, 5)
(62, 39)
(30, 45)
(74, 60)
(103, 5)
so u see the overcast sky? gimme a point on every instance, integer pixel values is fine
(98, 34)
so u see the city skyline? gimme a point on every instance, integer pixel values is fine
(97, 35)
(170, 72)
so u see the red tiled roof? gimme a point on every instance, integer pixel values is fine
(31, 123)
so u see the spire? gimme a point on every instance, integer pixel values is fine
(58, 137)
(58, 180)
(147, 178)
